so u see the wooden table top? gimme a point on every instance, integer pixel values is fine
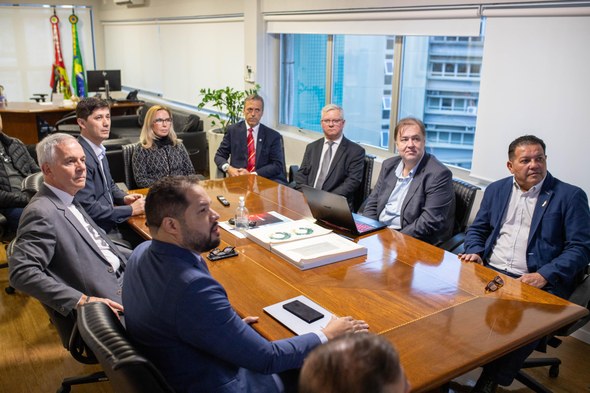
(430, 305)
(27, 107)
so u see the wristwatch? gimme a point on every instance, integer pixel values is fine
(225, 167)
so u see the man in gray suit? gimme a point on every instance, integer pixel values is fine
(333, 163)
(414, 193)
(61, 257)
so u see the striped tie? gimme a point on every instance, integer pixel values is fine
(251, 151)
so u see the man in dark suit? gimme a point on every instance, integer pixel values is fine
(180, 316)
(333, 163)
(414, 193)
(15, 164)
(252, 146)
(532, 227)
(106, 203)
(61, 257)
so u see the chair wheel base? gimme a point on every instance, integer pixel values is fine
(9, 290)
(554, 371)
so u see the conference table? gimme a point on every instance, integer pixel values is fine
(429, 304)
(21, 119)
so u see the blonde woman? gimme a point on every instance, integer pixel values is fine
(160, 153)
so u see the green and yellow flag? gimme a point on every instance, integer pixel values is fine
(79, 86)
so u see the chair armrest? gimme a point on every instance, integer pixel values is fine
(292, 170)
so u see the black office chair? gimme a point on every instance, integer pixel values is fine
(581, 297)
(67, 124)
(127, 370)
(198, 150)
(464, 199)
(30, 185)
(365, 188)
(128, 151)
(72, 341)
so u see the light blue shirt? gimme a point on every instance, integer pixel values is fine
(391, 213)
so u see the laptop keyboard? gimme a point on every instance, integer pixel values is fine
(362, 227)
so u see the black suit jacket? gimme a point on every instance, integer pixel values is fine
(270, 157)
(346, 170)
(428, 210)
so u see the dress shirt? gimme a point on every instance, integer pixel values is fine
(510, 251)
(106, 251)
(392, 212)
(101, 152)
(324, 149)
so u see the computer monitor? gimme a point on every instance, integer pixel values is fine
(104, 81)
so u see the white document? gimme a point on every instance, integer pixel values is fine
(318, 251)
(285, 232)
(240, 235)
(293, 322)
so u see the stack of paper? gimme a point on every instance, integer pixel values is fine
(304, 244)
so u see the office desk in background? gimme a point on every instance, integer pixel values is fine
(20, 119)
(430, 305)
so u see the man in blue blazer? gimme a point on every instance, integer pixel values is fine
(180, 316)
(268, 159)
(106, 203)
(414, 193)
(344, 173)
(533, 227)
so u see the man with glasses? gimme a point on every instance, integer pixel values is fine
(106, 203)
(532, 227)
(252, 146)
(332, 163)
(414, 193)
(15, 164)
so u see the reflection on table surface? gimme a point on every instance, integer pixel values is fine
(431, 306)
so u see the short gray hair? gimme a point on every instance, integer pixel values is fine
(332, 107)
(46, 148)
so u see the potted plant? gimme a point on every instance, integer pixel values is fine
(229, 104)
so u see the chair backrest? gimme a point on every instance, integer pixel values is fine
(128, 151)
(365, 187)
(581, 297)
(464, 199)
(32, 183)
(70, 336)
(196, 145)
(127, 370)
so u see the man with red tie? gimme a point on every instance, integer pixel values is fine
(252, 146)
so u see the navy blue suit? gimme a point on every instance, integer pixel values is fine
(94, 197)
(270, 156)
(181, 318)
(559, 238)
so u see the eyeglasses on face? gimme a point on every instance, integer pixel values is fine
(332, 121)
(161, 121)
(495, 284)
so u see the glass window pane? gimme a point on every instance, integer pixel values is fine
(446, 101)
(303, 80)
(360, 83)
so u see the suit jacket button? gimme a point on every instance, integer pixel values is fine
(119, 292)
(110, 270)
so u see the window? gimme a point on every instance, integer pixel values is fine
(439, 84)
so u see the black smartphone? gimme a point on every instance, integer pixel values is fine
(303, 311)
(222, 200)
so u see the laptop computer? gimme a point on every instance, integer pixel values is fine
(333, 211)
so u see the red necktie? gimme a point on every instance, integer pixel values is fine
(251, 151)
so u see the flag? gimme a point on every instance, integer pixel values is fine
(79, 86)
(59, 78)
